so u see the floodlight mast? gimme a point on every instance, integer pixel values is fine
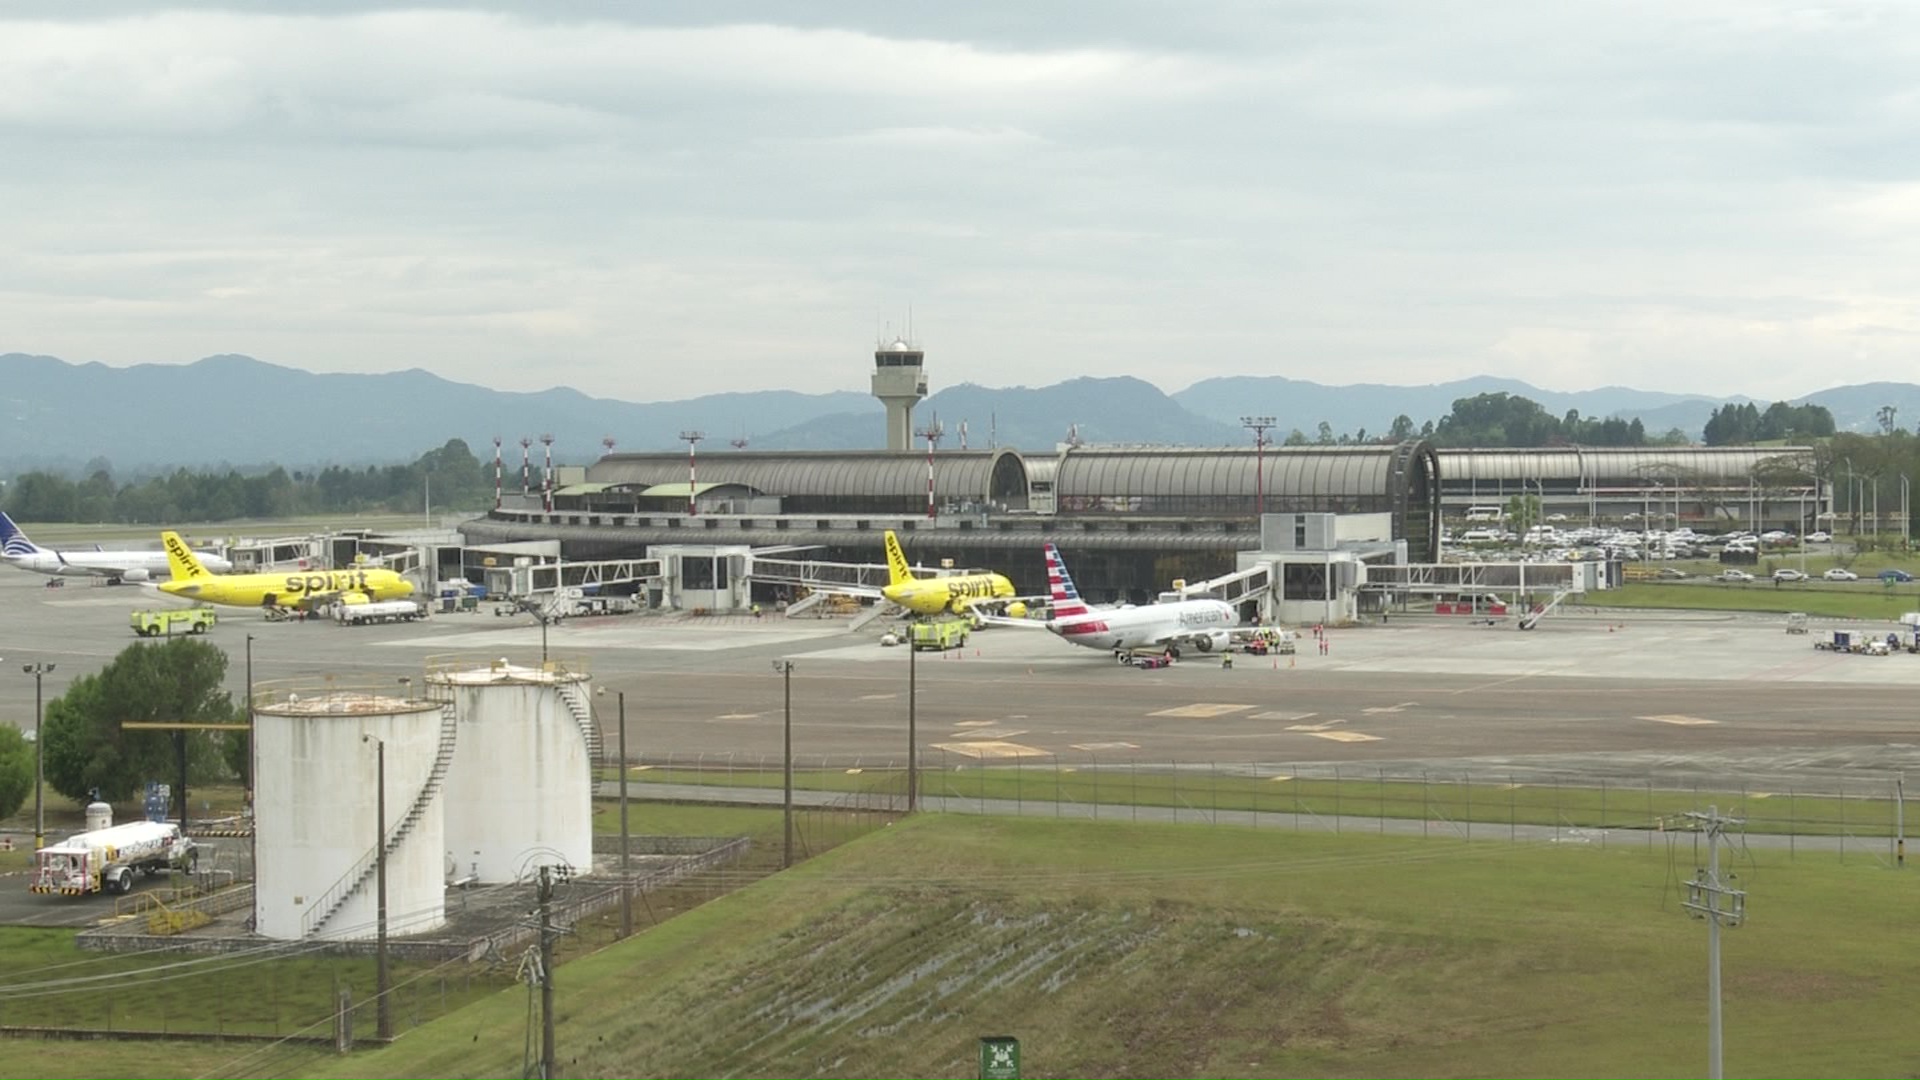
(692, 439)
(1259, 425)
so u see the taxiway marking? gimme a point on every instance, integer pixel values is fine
(1201, 711)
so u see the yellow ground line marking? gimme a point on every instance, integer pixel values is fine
(1201, 711)
(1679, 720)
(1344, 736)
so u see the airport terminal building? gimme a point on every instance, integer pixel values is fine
(1129, 519)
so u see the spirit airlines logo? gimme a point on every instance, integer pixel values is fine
(326, 583)
(182, 557)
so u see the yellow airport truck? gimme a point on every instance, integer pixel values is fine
(171, 621)
(940, 634)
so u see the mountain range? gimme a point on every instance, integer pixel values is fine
(239, 411)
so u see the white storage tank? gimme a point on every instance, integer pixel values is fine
(520, 793)
(316, 756)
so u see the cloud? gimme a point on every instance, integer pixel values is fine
(654, 202)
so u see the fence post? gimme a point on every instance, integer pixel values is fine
(1793, 818)
(1382, 781)
(1296, 798)
(1426, 808)
(1213, 779)
(1336, 800)
(1019, 798)
(1843, 820)
(1056, 787)
(1133, 783)
(1466, 780)
(1513, 820)
(1603, 811)
(1173, 778)
(1096, 784)
(1650, 819)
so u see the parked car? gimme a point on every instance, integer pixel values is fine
(1837, 574)
(1818, 537)
(1788, 574)
(1891, 575)
(1672, 573)
(1733, 575)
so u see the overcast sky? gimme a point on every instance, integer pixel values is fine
(659, 200)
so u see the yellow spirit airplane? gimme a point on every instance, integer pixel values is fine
(933, 595)
(191, 581)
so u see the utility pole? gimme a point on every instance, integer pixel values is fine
(38, 669)
(1259, 425)
(785, 668)
(547, 934)
(1704, 895)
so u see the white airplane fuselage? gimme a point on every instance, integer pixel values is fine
(125, 565)
(1149, 626)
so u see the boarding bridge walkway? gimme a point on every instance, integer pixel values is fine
(1435, 579)
(1236, 588)
(545, 579)
(854, 578)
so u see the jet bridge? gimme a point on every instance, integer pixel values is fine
(534, 580)
(1557, 581)
(1235, 588)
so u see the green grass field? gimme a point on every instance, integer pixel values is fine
(1855, 600)
(1113, 949)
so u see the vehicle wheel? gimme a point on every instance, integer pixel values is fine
(1173, 652)
(1203, 644)
(123, 881)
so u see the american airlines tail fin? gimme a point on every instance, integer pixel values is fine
(897, 570)
(181, 559)
(1066, 598)
(14, 542)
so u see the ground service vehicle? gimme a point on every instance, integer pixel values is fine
(104, 860)
(197, 620)
(940, 634)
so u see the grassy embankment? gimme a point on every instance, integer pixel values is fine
(1114, 949)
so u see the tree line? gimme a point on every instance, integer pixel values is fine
(1509, 420)
(451, 476)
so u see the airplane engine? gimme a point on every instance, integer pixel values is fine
(135, 575)
(1211, 640)
(1016, 610)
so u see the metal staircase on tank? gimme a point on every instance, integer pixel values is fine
(582, 710)
(355, 879)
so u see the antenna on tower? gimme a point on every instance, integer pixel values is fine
(607, 442)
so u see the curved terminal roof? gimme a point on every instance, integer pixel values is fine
(822, 473)
(1228, 471)
(1623, 464)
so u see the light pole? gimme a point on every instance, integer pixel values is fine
(913, 728)
(1259, 425)
(383, 1012)
(626, 882)
(785, 668)
(38, 669)
(692, 439)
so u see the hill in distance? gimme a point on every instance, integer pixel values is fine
(240, 411)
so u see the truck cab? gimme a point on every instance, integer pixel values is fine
(170, 621)
(940, 634)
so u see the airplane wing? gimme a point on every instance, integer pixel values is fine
(1008, 620)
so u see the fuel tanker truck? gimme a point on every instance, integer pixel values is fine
(104, 858)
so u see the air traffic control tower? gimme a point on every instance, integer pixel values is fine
(899, 381)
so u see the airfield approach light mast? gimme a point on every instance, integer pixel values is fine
(1259, 425)
(526, 466)
(496, 472)
(933, 433)
(546, 480)
(692, 439)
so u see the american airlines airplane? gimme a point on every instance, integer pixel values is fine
(112, 565)
(1204, 624)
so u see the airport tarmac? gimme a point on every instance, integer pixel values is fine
(1607, 692)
